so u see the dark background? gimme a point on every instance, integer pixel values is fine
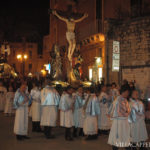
(24, 18)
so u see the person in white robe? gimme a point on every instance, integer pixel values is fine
(137, 122)
(91, 110)
(50, 102)
(119, 112)
(9, 102)
(66, 112)
(114, 91)
(78, 112)
(3, 92)
(21, 101)
(35, 95)
(104, 122)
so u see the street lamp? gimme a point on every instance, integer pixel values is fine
(22, 58)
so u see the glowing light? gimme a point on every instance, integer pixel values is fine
(19, 56)
(90, 74)
(43, 72)
(25, 56)
(100, 73)
(102, 38)
(98, 60)
(48, 67)
(30, 74)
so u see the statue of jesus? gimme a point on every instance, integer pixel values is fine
(70, 34)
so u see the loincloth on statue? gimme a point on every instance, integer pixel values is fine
(70, 35)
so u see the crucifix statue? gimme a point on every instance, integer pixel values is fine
(70, 19)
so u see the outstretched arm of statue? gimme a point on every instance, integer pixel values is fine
(84, 16)
(54, 12)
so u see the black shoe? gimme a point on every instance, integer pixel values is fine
(81, 132)
(89, 137)
(26, 137)
(69, 139)
(19, 137)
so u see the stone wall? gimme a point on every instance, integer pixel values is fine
(134, 38)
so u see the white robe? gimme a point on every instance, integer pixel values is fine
(21, 120)
(90, 125)
(49, 101)
(36, 105)
(104, 122)
(9, 103)
(2, 98)
(78, 111)
(138, 127)
(66, 114)
(119, 135)
(49, 116)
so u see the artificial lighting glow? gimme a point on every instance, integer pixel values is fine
(30, 74)
(116, 68)
(43, 72)
(100, 74)
(86, 84)
(148, 99)
(98, 60)
(15, 74)
(102, 38)
(90, 74)
(48, 67)
(19, 56)
(25, 56)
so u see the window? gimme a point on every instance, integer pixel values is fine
(30, 54)
(30, 67)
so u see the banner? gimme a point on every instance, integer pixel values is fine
(116, 56)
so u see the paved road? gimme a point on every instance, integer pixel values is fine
(38, 142)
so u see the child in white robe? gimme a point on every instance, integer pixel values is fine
(9, 102)
(50, 102)
(119, 112)
(21, 101)
(104, 122)
(91, 110)
(78, 112)
(137, 120)
(66, 112)
(35, 95)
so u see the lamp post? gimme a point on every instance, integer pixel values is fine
(22, 58)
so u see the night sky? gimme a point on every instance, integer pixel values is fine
(24, 17)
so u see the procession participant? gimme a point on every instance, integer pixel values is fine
(119, 112)
(36, 107)
(50, 102)
(104, 123)
(3, 92)
(114, 91)
(9, 102)
(91, 110)
(78, 110)
(21, 101)
(137, 120)
(66, 112)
